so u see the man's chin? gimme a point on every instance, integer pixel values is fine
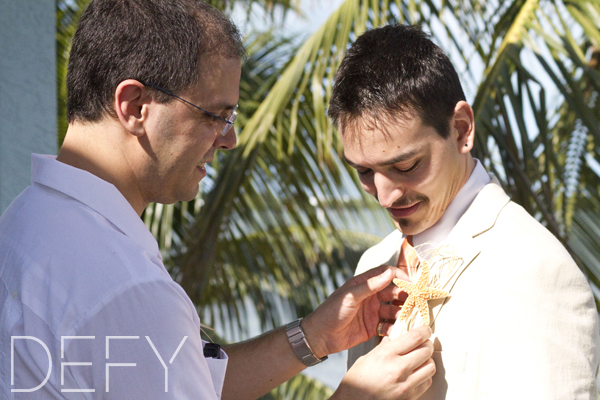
(408, 227)
(191, 195)
(187, 194)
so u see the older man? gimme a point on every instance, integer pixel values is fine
(88, 309)
(520, 320)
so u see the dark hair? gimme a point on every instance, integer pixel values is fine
(392, 70)
(153, 41)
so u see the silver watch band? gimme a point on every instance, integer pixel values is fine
(300, 345)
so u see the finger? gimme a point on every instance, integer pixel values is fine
(410, 341)
(421, 378)
(416, 358)
(414, 368)
(372, 285)
(398, 303)
(391, 293)
(386, 328)
(372, 273)
(428, 368)
(389, 311)
(422, 388)
(401, 273)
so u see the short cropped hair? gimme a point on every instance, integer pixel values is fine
(153, 41)
(391, 71)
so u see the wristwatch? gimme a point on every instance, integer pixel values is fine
(300, 345)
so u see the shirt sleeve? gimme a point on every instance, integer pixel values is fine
(143, 343)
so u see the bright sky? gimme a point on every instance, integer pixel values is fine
(315, 13)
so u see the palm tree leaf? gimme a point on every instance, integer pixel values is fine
(300, 387)
(281, 220)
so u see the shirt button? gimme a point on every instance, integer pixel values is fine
(14, 294)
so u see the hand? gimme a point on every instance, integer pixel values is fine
(350, 315)
(399, 369)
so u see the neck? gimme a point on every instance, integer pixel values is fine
(100, 148)
(470, 166)
(466, 170)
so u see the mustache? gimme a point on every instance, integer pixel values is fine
(407, 201)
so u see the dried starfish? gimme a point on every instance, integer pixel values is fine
(419, 293)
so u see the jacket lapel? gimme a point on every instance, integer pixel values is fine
(385, 252)
(479, 218)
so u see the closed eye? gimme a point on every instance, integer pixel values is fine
(408, 170)
(363, 172)
(212, 118)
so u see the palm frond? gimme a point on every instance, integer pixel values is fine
(300, 387)
(262, 220)
(287, 163)
(281, 220)
(67, 19)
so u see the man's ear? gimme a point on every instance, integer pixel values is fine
(131, 101)
(464, 123)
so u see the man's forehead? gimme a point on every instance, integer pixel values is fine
(218, 82)
(214, 65)
(371, 126)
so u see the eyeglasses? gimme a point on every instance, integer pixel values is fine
(228, 121)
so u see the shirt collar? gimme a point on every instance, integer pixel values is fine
(431, 238)
(99, 195)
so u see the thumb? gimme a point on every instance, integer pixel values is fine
(371, 286)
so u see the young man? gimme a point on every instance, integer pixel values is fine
(87, 307)
(520, 320)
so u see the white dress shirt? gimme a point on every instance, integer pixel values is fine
(83, 284)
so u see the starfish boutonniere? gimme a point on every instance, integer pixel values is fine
(418, 294)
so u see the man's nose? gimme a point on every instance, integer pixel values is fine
(227, 141)
(388, 190)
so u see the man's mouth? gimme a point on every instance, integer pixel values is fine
(201, 167)
(403, 212)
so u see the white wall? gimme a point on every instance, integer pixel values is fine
(27, 90)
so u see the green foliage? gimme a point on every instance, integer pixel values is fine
(67, 17)
(261, 210)
(281, 220)
(300, 387)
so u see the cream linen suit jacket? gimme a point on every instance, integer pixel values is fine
(520, 322)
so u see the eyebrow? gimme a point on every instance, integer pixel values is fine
(223, 106)
(212, 108)
(395, 160)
